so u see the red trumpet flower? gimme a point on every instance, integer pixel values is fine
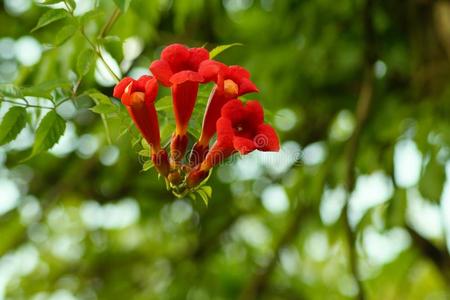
(139, 98)
(178, 69)
(240, 128)
(231, 82)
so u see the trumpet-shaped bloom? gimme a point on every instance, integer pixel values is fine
(178, 69)
(240, 128)
(139, 98)
(231, 82)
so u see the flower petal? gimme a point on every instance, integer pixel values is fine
(234, 111)
(162, 71)
(210, 68)
(255, 112)
(151, 90)
(243, 145)
(184, 76)
(177, 56)
(121, 86)
(197, 55)
(246, 86)
(266, 139)
(235, 72)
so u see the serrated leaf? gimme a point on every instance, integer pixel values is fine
(64, 34)
(10, 90)
(48, 133)
(219, 49)
(98, 97)
(85, 61)
(49, 17)
(104, 108)
(432, 181)
(123, 5)
(12, 124)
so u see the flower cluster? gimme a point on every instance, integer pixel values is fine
(238, 126)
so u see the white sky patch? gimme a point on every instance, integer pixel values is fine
(7, 48)
(316, 246)
(445, 204)
(285, 119)
(314, 153)
(109, 155)
(343, 126)
(252, 231)
(407, 163)
(370, 190)
(67, 143)
(424, 216)
(87, 145)
(10, 195)
(333, 200)
(290, 260)
(275, 199)
(110, 216)
(28, 50)
(382, 248)
(278, 163)
(16, 264)
(102, 74)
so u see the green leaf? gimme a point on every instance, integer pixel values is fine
(48, 2)
(192, 196)
(204, 196)
(104, 108)
(44, 89)
(10, 90)
(219, 49)
(98, 97)
(91, 15)
(144, 153)
(208, 190)
(12, 124)
(163, 103)
(432, 181)
(123, 4)
(64, 34)
(85, 61)
(49, 17)
(50, 129)
(71, 4)
(147, 165)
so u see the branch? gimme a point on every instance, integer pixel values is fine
(440, 258)
(362, 112)
(258, 284)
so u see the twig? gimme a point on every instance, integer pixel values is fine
(26, 104)
(95, 47)
(108, 25)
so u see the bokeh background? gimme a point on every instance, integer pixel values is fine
(355, 206)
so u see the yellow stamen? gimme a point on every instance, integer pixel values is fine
(231, 89)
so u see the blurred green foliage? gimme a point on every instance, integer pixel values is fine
(316, 221)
